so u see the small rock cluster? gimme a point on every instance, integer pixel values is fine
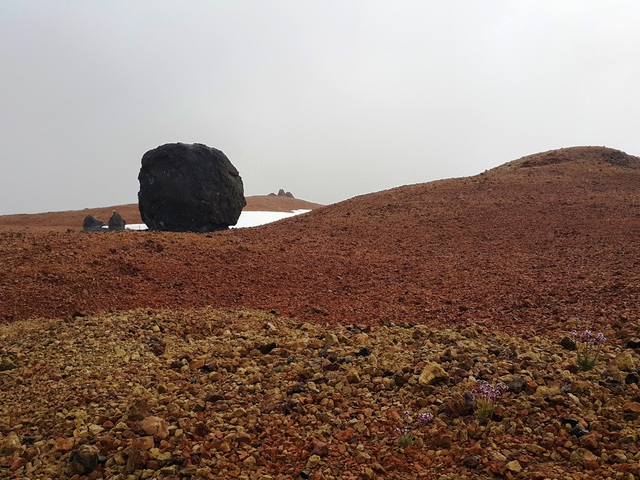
(92, 224)
(282, 193)
(205, 393)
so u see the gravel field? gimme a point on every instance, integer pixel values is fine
(203, 393)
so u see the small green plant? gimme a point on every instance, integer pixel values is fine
(407, 435)
(486, 398)
(588, 348)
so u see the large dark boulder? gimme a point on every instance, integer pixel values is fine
(189, 188)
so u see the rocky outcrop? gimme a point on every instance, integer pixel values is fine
(92, 224)
(281, 193)
(189, 187)
(116, 222)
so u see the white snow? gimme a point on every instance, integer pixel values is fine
(246, 220)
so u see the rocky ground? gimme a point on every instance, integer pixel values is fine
(204, 393)
(293, 350)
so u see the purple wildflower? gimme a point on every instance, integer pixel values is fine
(424, 418)
(486, 398)
(588, 347)
(407, 432)
(485, 391)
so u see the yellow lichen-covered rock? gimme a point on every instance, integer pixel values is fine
(432, 373)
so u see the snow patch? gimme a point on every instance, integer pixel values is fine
(247, 219)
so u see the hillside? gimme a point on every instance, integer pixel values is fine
(305, 348)
(533, 243)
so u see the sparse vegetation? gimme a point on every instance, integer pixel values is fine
(486, 398)
(408, 431)
(588, 347)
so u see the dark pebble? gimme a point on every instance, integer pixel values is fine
(265, 349)
(568, 343)
(633, 377)
(363, 352)
(517, 385)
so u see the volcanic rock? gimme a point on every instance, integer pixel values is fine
(282, 193)
(64, 444)
(631, 407)
(6, 364)
(517, 385)
(626, 361)
(583, 457)
(9, 444)
(266, 348)
(92, 224)
(331, 340)
(189, 187)
(568, 343)
(632, 377)
(156, 427)
(514, 466)
(116, 222)
(85, 459)
(432, 373)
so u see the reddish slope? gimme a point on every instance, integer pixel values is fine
(527, 246)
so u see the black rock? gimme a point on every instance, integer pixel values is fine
(116, 222)
(209, 367)
(496, 417)
(332, 367)
(632, 377)
(214, 397)
(568, 343)
(191, 188)
(265, 349)
(399, 380)
(570, 420)
(92, 224)
(363, 352)
(578, 431)
(633, 343)
(517, 385)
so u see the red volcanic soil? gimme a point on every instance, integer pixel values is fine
(527, 247)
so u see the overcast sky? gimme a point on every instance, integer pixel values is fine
(326, 99)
